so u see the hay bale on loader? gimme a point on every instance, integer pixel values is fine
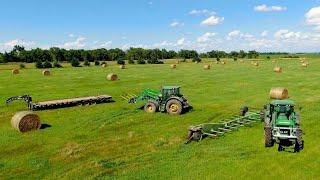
(207, 66)
(15, 71)
(46, 72)
(279, 93)
(173, 66)
(112, 77)
(277, 69)
(25, 121)
(122, 67)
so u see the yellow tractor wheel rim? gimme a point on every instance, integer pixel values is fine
(174, 108)
(150, 108)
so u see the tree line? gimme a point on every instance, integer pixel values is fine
(55, 54)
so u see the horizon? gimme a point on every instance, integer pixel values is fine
(265, 26)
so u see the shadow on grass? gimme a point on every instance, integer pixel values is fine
(45, 126)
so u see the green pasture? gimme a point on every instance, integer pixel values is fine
(120, 141)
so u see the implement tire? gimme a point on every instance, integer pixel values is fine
(268, 141)
(150, 107)
(174, 107)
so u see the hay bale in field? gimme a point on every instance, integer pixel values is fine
(256, 64)
(274, 61)
(279, 93)
(25, 121)
(15, 71)
(46, 72)
(173, 66)
(223, 62)
(122, 67)
(112, 77)
(302, 61)
(241, 61)
(217, 62)
(104, 65)
(277, 69)
(304, 64)
(207, 66)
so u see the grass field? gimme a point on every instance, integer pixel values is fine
(117, 140)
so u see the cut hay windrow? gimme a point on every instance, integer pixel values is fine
(279, 93)
(25, 121)
(122, 67)
(15, 71)
(46, 72)
(112, 77)
(277, 69)
(173, 66)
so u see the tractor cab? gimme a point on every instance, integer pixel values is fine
(282, 112)
(169, 91)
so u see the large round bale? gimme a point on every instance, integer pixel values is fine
(104, 65)
(122, 67)
(217, 62)
(304, 64)
(207, 66)
(112, 77)
(277, 69)
(274, 61)
(256, 64)
(46, 72)
(173, 66)
(241, 61)
(15, 71)
(223, 62)
(25, 121)
(279, 93)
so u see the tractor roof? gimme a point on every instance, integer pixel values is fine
(282, 102)
(170, 87)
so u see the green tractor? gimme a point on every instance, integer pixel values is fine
(168, 99)
(282, 125)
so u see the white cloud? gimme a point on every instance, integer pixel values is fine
(163, 44)
(265, 8)
(176, 24)
(201, 12)
(205, 37)
(106, 44)
(313, 18)
(285, 34)
(181, 42)
(71, 35)
(212, 20)
(77, 44)
(238, 34)
(8, 46)
(264, 33)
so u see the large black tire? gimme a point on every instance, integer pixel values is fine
(174, 107)
(262, 115)
(299, 142)
(150, 107)
(268, 141)
(298, 119)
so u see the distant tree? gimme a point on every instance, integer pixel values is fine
(47, 64)
(38, 64)
(22, 66)
(196, 59)
(56, 64)
(253, 54)
(96, 63)
(75, 62)
(121, 62)
(242, 54)
(86, 63)
(130, 61)
(141, 61)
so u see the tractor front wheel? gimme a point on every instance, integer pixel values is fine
(268, 137)
(150, 107)
(174, 107)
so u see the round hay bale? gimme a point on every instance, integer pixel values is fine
(217, 62)
(279, 93)
(104, 65)
(112, 77)
(277, 69)
(173, 66)
(25, 121)
(304, 64)
(207, 66)
(256, 64)
(241, 61)
(15, 71)
(302, 61)
(274, 61)
(223, 62)
(122, 67)
(46, 72)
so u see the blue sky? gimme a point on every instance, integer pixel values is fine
(264, 25)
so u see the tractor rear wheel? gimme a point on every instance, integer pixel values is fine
(174, 107)
(268, 137)
(150, 107)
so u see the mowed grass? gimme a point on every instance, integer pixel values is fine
(118, 140)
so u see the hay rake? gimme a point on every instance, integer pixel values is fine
(214, 130)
